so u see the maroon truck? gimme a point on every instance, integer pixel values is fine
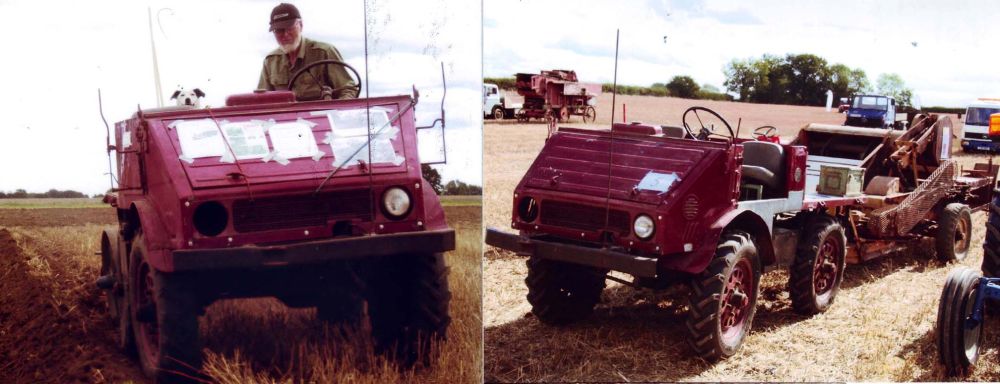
(671, 204)
(272, 197)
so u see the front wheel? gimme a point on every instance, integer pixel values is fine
(408, 306)
(818, 268)
(954, 232)
(164, 315)
(497, 113)
(561, 293)
(723, 298)
(958, 344)
(991, 247)
(589, 114)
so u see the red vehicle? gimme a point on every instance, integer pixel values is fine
(272, 197)
(556, 94)
(668, 205)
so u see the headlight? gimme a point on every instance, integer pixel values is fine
(210, 218)
(527, 209)
(395, 202)
(643, 227)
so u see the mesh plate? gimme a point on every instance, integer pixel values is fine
(900, 219)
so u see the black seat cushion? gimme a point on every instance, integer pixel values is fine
(764, 162)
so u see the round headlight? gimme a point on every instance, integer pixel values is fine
(396, 202)
(210, 218)
(527, 208)
(643, 227)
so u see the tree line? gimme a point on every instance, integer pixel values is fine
(52, 193)
(454, 187)
(803, 79)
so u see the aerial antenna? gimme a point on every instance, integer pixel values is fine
(156, 67)
(611, 143)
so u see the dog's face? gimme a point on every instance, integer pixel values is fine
(188, 97)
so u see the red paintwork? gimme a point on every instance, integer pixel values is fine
(553, 90)
(160, 194)
(258, 98)
(573, 166)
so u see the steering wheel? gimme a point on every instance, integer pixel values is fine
(765, 133)
(356, 86)
(705, 132)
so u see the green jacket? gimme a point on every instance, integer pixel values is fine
(276, 72)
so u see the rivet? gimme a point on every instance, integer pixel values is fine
(536, 227)
(657, 247)
(380, 226)
(416, 185)
(187, 203)
(659, 217)
(307, 232)
(583, 234)
(630, 243)
(229, 239)
(420, 223)
(190, 243)
(515, 195)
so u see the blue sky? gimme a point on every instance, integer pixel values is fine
(951, 62)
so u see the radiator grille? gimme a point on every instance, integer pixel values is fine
(583, 217)
(300, 211)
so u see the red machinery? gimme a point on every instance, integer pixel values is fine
(272, 197)
(556, 94)
(673, 205)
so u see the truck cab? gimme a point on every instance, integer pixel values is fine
(872, 111)
(492, 101)
(976, 134)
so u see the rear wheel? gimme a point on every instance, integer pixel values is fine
(589, 115)
(408, 306)
(164, 315)
(958, 345)
(118, 310)
(561, 293)
(723, 298)
(954, 232)
(819, 264)
(991, 247)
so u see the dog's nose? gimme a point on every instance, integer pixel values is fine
(188, 102)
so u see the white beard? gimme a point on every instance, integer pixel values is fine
(292, 47)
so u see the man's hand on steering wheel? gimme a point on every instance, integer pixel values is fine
(326, 89)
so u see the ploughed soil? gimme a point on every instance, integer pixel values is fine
(53, 326)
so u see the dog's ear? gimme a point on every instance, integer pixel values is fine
(199, 93)
(176, 93)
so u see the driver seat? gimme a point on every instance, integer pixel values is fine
(764, 162)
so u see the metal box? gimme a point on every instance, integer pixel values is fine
(840, 180)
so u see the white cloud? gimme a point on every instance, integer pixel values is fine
(64, 51)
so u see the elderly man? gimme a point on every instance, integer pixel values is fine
(328, 81)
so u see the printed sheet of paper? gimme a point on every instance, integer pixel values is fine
(293, 139)
(350, 133)
(199, 138)
(247, 139)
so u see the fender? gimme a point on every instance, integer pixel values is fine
(749, 221)
(158, 245)
(433, 212)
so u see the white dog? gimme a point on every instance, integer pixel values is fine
(186, 97)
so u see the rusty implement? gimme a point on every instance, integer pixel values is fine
(892, 221)
(925, 130)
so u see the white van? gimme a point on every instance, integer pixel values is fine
(976, 127)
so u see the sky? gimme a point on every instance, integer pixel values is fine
(59, 53)
(945, 51)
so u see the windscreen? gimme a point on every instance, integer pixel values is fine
(979, 116)
(871, 102)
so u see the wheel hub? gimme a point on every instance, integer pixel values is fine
(735, 299)
(825, 269)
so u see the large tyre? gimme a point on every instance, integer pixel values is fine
(954, 232)
(958, 346)
(561, 293)
(408, 306)
(589, 114)
(341, 302)
(723, 298)
(112, 249)
(819, 264)
(991, 247)
(497, 113)
(164, 315)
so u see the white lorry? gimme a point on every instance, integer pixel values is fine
(976, 128)
(495, 104)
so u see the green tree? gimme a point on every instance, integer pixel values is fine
(433, 177)
(456, 187)
(683, 86)
(892, 85)
(808, 79)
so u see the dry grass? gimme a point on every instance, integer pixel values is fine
(880, 329)
(247, 341)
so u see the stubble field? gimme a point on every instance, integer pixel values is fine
(54, 327)
(881, 327)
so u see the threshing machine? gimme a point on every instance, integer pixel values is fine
(556, 94)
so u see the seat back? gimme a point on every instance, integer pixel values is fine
(766, 155)
(673, 131)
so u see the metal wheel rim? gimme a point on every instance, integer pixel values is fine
(961, 236)
(736, 301)
(825, 269)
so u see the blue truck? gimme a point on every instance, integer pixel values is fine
(873, 111)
